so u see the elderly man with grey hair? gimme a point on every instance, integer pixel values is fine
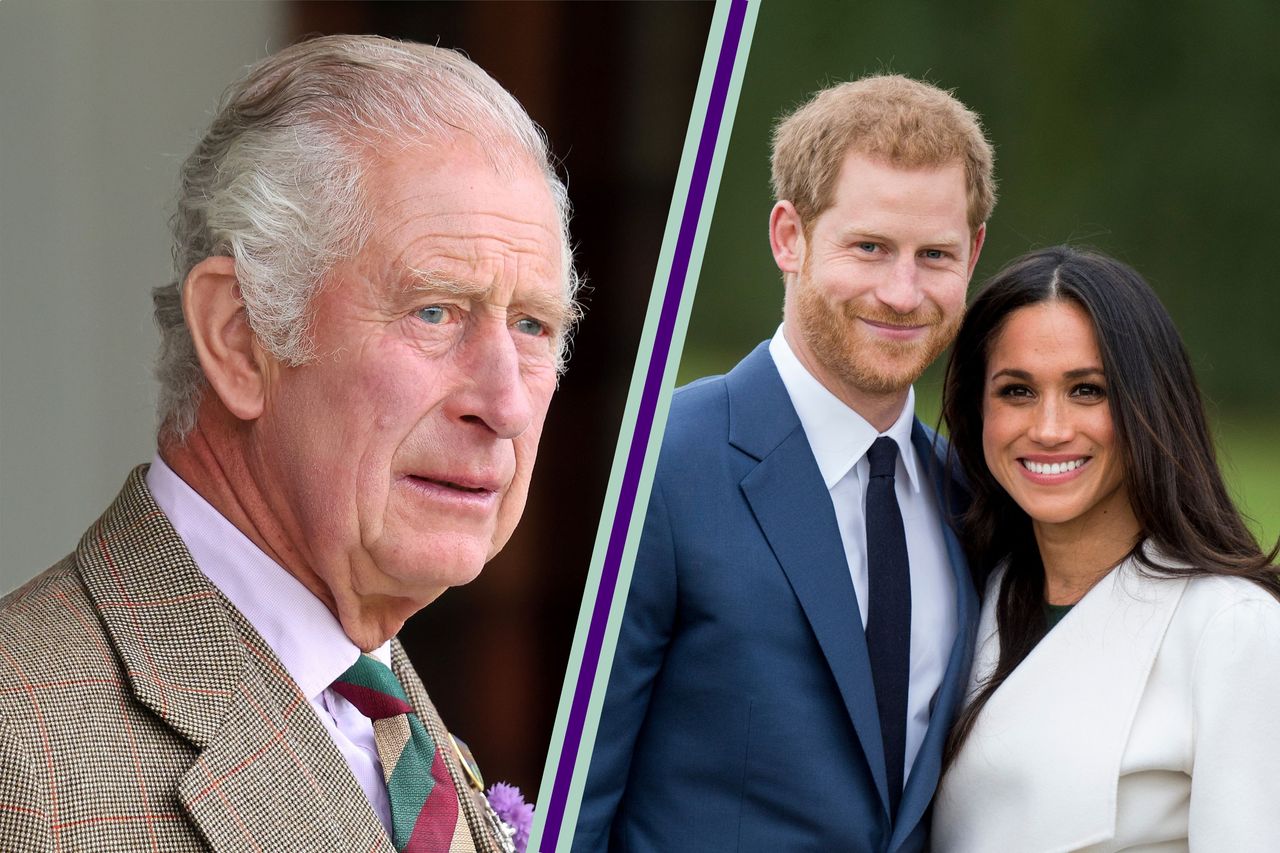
(374, 287)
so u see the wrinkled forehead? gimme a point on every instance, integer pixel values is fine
(503, 175)
(455, 225)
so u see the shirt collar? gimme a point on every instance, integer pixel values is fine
(838, 435)
(305, 636)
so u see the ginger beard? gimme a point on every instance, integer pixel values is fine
(838, 338)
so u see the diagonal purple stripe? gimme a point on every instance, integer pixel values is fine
(372, 703)
(644, 424)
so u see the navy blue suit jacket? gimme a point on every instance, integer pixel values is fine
(740, 713)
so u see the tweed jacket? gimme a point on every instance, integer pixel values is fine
(1145, 720)
(139, 710)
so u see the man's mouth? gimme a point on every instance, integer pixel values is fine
(474, 487)
(897, 331)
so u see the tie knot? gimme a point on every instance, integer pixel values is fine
(882, 455)
(373, 688)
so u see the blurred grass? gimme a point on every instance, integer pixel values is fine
(1250, 459)
(1247, 447)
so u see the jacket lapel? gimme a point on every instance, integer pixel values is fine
(793, 508)
(262, 773)
(272, 773)
(1060, 723)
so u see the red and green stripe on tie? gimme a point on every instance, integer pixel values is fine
(424, 802)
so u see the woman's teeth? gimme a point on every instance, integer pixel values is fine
(1052, 467)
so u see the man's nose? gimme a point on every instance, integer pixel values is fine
(493, 392)
(1052, 425)
(901, 290)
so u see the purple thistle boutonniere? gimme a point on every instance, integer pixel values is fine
(508, 803)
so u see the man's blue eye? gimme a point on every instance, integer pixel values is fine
(433, 314)
(867, 247)
(529, 326)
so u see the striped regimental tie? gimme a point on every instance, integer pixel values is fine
(424, 802)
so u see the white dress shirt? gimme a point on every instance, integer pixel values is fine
(840, 439)
(305, 636)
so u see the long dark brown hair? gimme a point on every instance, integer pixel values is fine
(1170, 468)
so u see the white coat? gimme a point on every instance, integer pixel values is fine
(1147, 719)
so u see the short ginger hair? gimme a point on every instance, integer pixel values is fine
(887, 117)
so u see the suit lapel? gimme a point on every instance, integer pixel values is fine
(923, 780)
(793, 508)
(274, 769)
(263, 773)
(1086, 676)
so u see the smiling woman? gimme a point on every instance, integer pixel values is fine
(1049, 441)
(1077, 421)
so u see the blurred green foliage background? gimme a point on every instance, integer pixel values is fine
(1147, 131)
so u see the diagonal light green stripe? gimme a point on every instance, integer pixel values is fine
(411, 782)
(679, 196)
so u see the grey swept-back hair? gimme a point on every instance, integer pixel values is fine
(276, 182)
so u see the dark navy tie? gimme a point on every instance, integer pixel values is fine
(889, 611)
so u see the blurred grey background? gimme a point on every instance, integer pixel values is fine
(99, 104)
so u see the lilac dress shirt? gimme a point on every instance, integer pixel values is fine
(306, 637)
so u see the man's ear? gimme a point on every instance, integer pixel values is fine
(979, 237)
(786, 237)
(229, 355)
